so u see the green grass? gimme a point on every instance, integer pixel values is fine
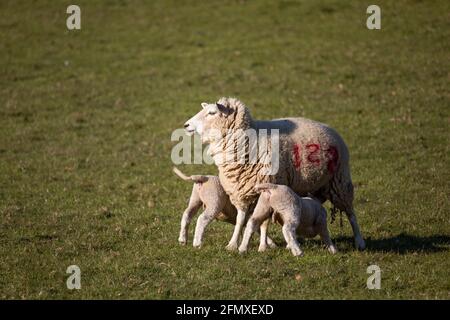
(85, 124)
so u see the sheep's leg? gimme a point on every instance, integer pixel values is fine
(240, 219)
(202, 222)
(252, 226)
(263, 236)
(325, 236)
(359, 241)
(269, 241)
(341, 195)
(290, 237)
(193, 206)
(261, 213)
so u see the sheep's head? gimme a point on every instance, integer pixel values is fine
(218, 118)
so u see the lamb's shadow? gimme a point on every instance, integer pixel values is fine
(403, 243)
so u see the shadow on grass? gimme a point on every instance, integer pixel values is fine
(402, 243)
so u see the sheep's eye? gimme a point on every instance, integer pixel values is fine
(212, 112)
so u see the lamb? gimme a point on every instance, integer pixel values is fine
(207, 191)
(313, 158)
(302, 215)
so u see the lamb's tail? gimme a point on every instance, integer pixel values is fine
(265, 186)
(194, 178)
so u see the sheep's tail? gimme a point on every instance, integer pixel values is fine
(194, 178)
(265, 186)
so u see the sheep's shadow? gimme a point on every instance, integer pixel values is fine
(402, 243)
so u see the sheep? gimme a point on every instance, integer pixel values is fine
(207, 191)
(302, 215)
(313, 158)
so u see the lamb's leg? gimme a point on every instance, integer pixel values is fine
(289, 232)
(325, 236)
(240, 219)
(269, 240)
(271, 243)
(252, 226)
(202, 222)
(261, 213)
(193, 206)
(263, 236)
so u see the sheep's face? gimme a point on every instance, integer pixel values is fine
(209, 122)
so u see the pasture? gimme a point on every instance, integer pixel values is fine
(86, 118)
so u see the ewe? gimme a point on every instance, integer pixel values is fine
(313, 158)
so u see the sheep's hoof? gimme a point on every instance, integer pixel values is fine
(242, 250)
(183, 242)
(270, 243)
(262, 248)
(332, 249)
(197, 245)
(297, 253)
(232, 246)
(360, 244)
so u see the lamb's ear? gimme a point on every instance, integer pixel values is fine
(225, 110)
(204, 105)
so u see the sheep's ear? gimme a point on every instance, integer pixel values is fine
(225, 110)
(204, 105)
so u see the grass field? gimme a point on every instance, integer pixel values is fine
(86, 118)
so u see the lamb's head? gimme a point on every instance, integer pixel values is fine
(216, 119)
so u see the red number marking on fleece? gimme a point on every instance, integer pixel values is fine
(313, 148)
(333, 157)
(297, 159)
